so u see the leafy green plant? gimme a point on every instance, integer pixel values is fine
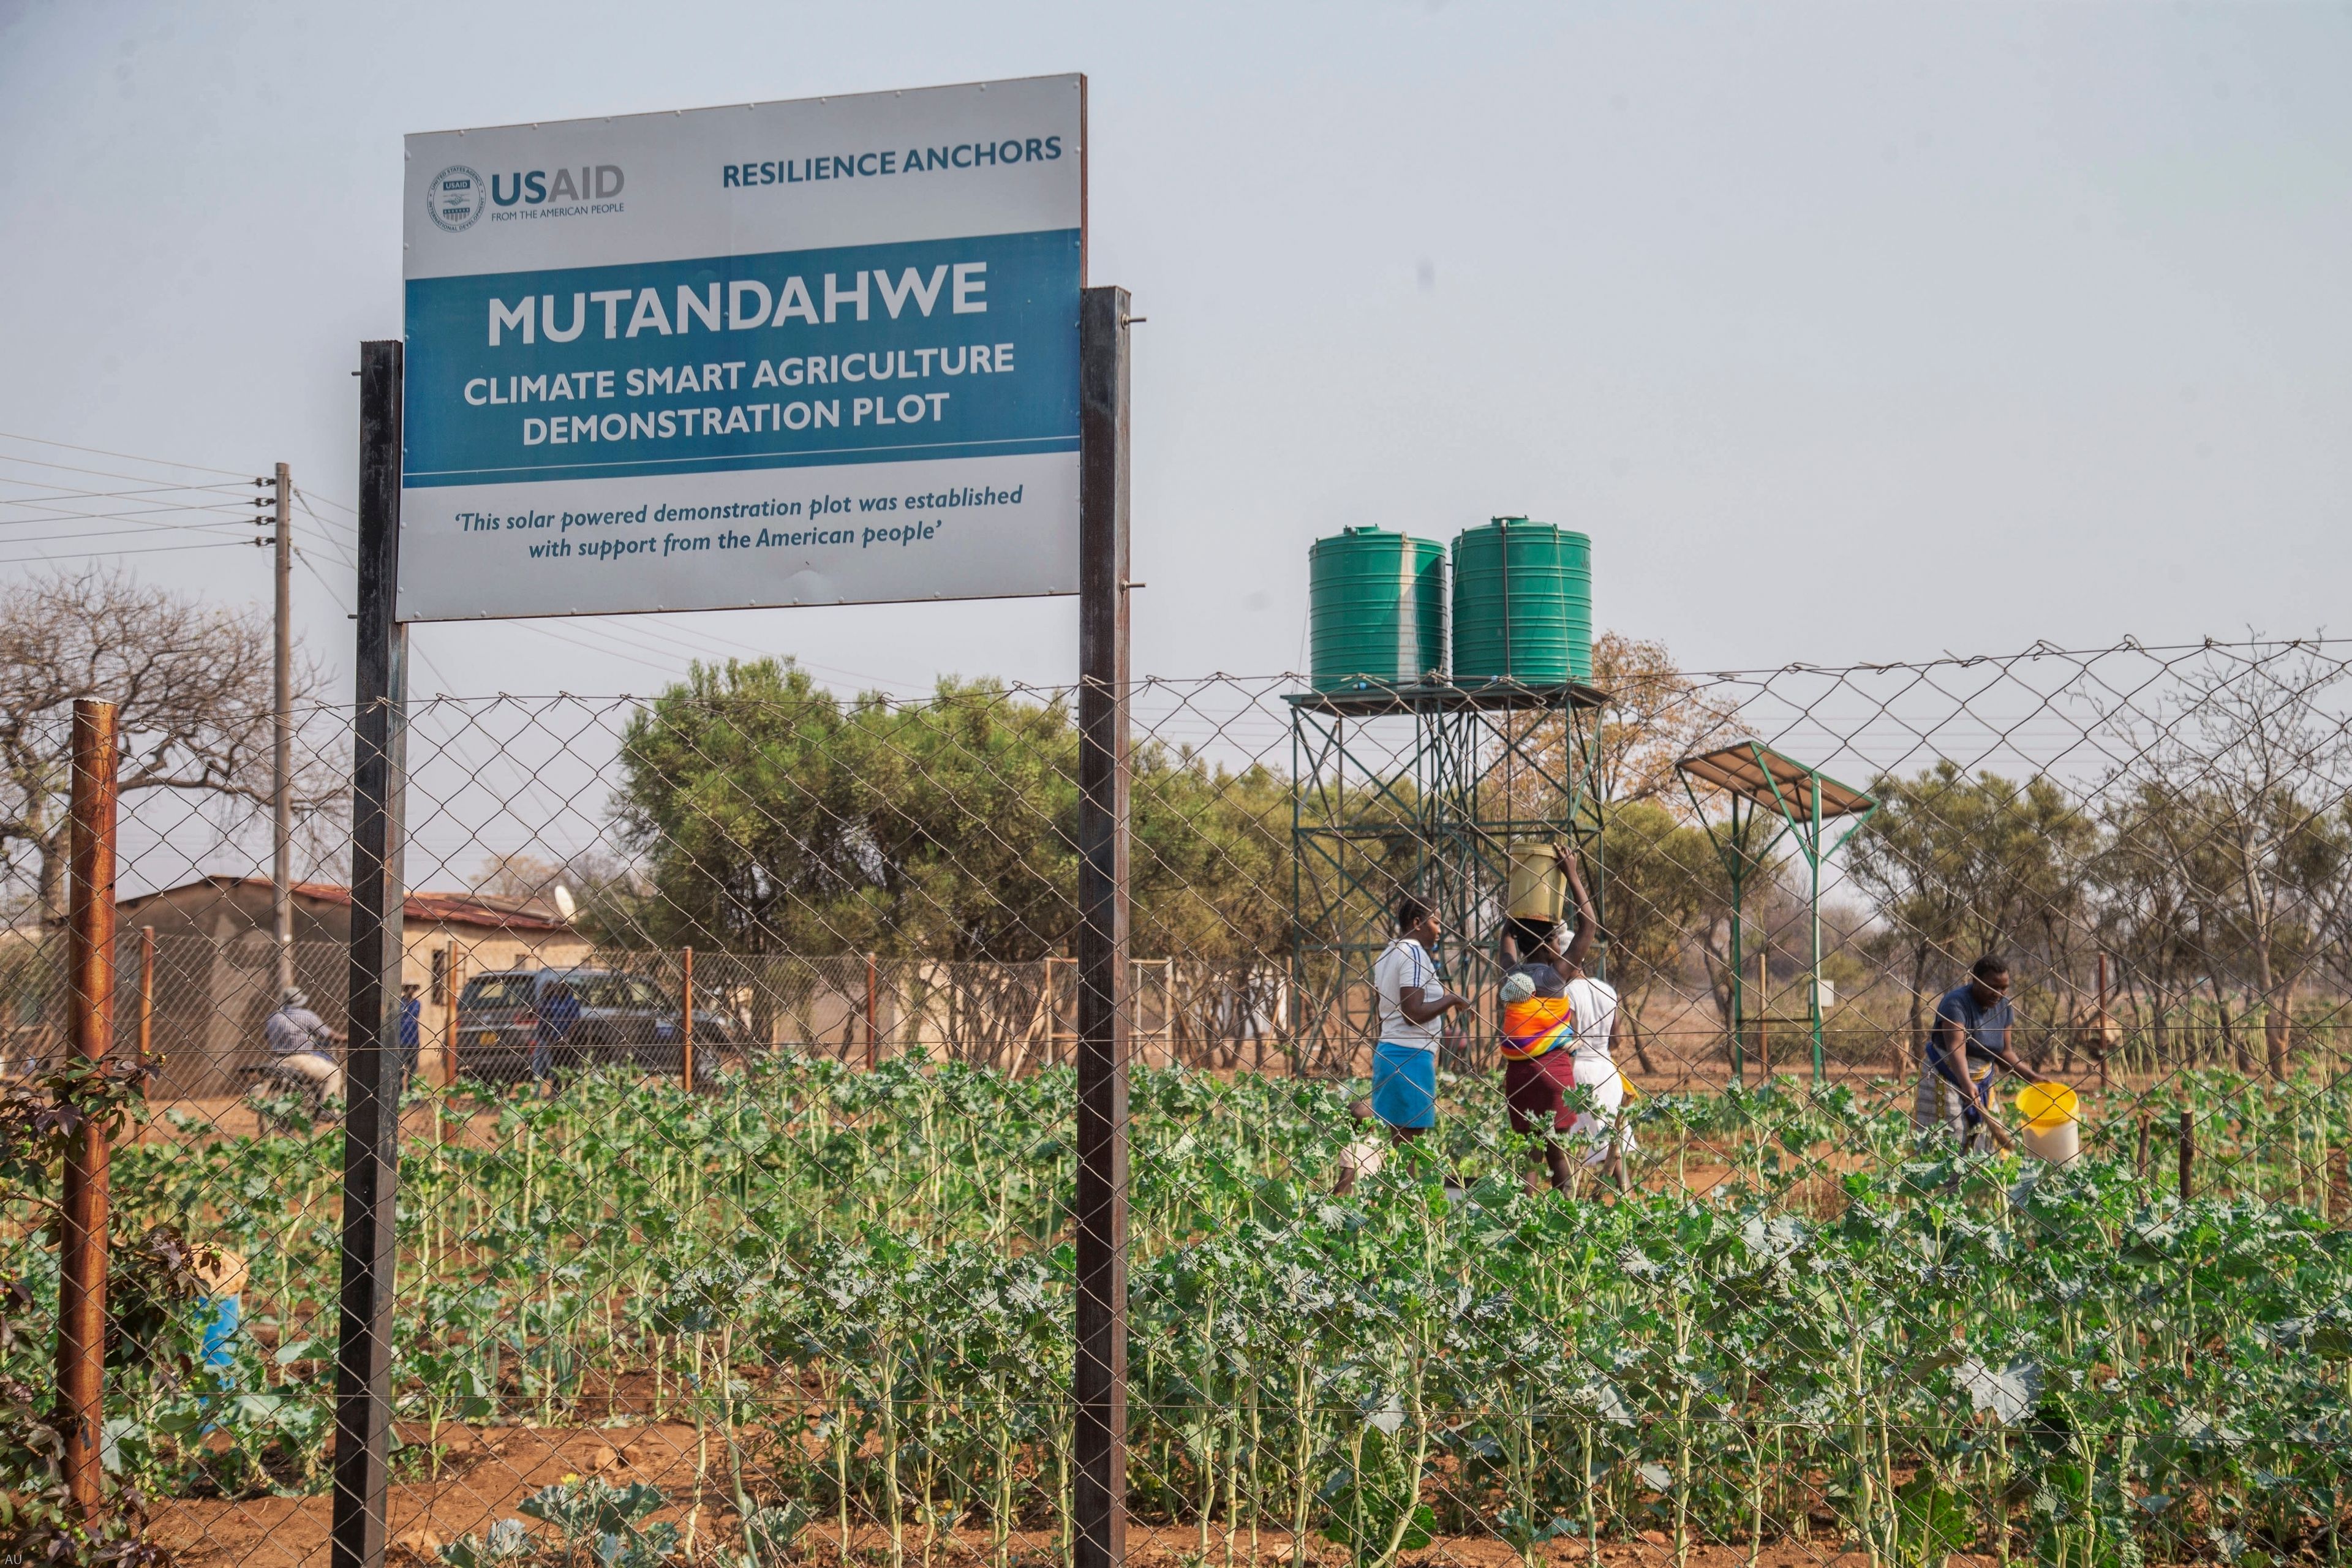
(858, 1286)
(604, 1522)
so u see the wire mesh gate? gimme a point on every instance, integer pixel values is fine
(815, 1305)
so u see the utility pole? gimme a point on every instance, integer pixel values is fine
(281, 769)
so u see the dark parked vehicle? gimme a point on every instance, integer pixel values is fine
(622, 1020)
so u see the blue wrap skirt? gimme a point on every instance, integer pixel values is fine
(1404, 1085)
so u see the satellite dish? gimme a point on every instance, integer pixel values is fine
(564, 905)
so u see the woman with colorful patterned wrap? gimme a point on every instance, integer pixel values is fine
(1539, 1022)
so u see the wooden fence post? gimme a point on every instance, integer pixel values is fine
(873, 1040)
(2103, 1026)
(2188, 1152)
(685, 1016)
(456, 971)
(90, 958)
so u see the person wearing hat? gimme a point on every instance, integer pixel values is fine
(300, 1042)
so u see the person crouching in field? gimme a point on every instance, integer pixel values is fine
(1414, 1005)
(1969, 1042)
(1559, 1032)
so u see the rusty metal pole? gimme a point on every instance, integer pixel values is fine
(686, 1019)
(90, 958)
(146, 996)
(1099, 1374)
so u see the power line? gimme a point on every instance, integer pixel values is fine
(343, 551)
(88, 554)
(305, 497)
(101, 473)
(143, 529)
(129, 457)
(65, 493)
(138, 518)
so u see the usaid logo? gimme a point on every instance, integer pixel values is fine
(599, 182)
(455, 198)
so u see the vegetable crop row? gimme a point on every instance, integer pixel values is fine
(858, 1286)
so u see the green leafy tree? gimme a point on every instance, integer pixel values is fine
(1959, 865)
(737, 802)
(771, 816)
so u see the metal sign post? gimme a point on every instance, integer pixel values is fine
(1099, 1373)
(372, 1118)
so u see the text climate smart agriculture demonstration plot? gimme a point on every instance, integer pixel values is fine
(812, 352)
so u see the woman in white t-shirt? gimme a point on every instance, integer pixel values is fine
(1414, 1005)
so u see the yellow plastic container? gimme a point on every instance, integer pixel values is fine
(2051, 1129)
(1539, 891)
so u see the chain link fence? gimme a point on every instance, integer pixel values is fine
(736, 1158)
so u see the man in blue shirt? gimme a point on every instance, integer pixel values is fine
(1969, 1041)
(412, 1029)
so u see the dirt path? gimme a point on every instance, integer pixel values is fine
(489, 1472)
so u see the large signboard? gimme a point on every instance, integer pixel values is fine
(821, 351)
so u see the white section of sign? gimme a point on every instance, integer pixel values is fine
(966, 527)
(655, 187)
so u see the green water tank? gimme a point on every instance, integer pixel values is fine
(1376, 608)
(1522, 603)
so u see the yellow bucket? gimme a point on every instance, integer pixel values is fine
(2049, 1128)
(1538, 892)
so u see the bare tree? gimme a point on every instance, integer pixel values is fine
(1653, 715)
(193, 685)
(1656, 715)
(520, 875)
(2246, 789)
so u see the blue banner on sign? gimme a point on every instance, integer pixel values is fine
(857, 354)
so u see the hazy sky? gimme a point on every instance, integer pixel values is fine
(1849, 333)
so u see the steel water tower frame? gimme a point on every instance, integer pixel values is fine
(1423, 788)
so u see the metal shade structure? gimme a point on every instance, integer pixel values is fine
(1795, 800)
